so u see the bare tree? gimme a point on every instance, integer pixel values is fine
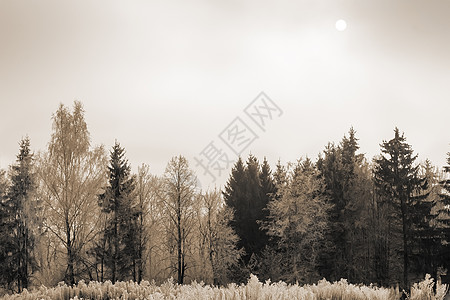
(177, 198)
(72, 175)
(217, 236)
(148, 219)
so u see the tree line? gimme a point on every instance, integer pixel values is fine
(75, 211)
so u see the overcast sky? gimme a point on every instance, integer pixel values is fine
(167, 77)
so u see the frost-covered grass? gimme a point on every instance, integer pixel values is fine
(254, 289)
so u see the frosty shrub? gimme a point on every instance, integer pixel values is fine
(424, 290)
(253, 290)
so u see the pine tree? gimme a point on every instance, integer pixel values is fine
(256, 201)
(341, 167)
(235, 199)
(398, 180)
(6, 240)
(268, 189)
(248, 191)
(427, 234)
(444, 217)
(22, 212)
(117, 202)
(280, 177)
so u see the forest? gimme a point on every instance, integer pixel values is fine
(76, 213)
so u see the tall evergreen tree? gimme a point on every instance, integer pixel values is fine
(341, 168)
(256, 201)
(426, 229)
(235, 198)
(118, 203)
(444, 216)
(398, 180)
(248, 192)
(6, 241)
(268, 187)
(22, 212)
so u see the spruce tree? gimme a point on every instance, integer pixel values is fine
(234, 195)
(255, 237)
(22, 212)
(268, 187)
(248, 191)
(6, 240)
(398, 180)
(444, 217)
(338, 168)
(118, 203)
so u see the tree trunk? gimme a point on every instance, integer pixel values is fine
(25, 259)
(180, 263)
(115, 254)
(405, 245)
(70, 262)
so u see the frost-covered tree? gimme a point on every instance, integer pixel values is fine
(178, 198)
(298, 219)
(147, 231)
(219, 241)
(71, 175)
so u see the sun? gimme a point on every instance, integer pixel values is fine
(341, 25)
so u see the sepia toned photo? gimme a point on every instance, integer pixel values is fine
(237, 149)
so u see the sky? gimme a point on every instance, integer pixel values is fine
(170, 77)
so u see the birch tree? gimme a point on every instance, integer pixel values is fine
(72, 174)
(178, 203)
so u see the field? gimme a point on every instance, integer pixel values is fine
(253, 290)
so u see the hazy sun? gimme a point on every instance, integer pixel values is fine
(341, 25)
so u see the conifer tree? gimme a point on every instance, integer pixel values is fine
(118, 203)
(397, 178)
(256, 201)
(6, 240)
(444, 216)
(235, 198)
(22, 214)
(248, 191)
(268, 188)
(341, 168)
